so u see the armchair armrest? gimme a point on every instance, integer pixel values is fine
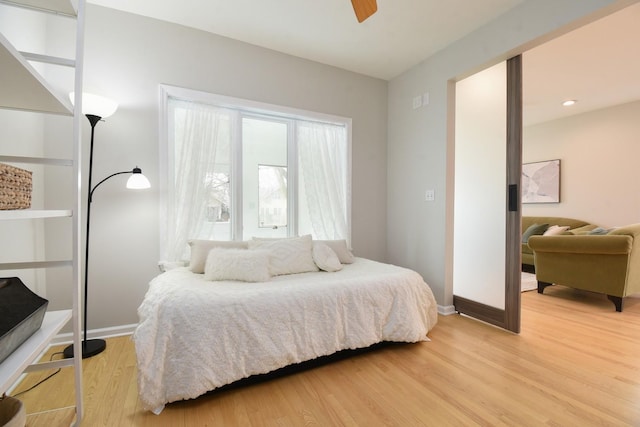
(629, 230)
(607, 244)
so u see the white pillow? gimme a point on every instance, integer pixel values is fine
(325, 258)
(237, 264)
(288, 256)
(200, 249)
(556, 229)
(340, 248)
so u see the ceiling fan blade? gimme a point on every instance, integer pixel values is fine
(364, 8)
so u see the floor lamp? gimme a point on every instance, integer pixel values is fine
(95, 108)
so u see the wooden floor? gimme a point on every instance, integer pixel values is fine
(576, 363)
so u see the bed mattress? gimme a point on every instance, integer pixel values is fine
(195, 335)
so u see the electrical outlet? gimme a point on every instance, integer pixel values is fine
(429, 195)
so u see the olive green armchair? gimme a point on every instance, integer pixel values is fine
(607, 264)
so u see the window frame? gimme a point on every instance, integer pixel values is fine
(246, 107)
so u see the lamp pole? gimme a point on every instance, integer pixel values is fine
(89, 347)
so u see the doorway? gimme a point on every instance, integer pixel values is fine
(615, 39)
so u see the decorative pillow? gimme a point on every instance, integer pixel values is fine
(599, 231)
(579, 230)
(555, 230)
(237, 264)
(200, 249)
(325, 258)
(340, 248)
(534, 229)
(288, 256)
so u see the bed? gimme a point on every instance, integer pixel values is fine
(196, 334)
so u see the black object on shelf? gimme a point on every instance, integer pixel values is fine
(21, 314)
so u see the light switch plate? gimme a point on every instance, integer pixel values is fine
(417, 102)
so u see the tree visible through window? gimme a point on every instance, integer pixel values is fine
(219, 197)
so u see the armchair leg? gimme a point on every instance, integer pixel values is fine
(617, 301)
(542, 285)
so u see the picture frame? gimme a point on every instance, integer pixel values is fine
(541, 182)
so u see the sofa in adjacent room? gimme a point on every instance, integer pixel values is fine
(534, 225)
(606, 262)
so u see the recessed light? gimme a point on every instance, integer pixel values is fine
(569, 102)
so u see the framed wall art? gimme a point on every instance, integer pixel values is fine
(541, 182)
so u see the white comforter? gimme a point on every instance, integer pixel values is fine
(196, 335)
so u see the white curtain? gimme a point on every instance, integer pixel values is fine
(199, 134)
(322, 157)
(198, 196)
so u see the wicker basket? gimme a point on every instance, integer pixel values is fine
(15, 188)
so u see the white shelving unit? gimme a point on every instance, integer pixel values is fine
(22, 88)
(34, 214)
(20, 360)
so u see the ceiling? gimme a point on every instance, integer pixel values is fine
(398, 36)
(598, 64)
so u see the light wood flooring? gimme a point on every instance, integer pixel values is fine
(575, 363)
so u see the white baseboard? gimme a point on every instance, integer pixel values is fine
(114, 331)
(446, 310)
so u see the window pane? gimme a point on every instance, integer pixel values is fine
(264, 142)
(272, 196)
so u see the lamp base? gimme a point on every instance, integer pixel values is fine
(89, 348)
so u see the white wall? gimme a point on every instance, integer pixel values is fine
(127, 57)
(420, 142)
(599, 154)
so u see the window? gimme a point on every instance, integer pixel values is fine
(236, 169)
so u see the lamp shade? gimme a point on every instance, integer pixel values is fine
(137, 181)
(96, 105)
